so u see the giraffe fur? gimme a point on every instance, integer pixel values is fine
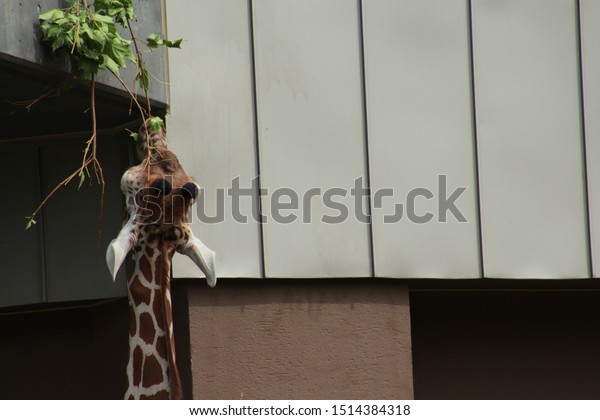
(159, 195)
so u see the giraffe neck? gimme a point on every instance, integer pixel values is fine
(151, 369)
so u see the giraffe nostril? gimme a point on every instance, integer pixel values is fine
(189, 190)
(161, 187)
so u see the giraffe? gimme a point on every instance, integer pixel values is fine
(159, 196)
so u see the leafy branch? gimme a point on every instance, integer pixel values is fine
(89, 34)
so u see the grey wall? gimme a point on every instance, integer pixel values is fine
(20, 40)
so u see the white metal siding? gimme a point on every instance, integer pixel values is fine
(529, 138)
(211, 125)
(311, 132)
(528, 219)
(590, 54)
(419, 117)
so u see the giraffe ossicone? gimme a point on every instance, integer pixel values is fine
(159, 195)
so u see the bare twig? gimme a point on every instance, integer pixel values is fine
(78, 28)
(140, 62)
(97, 166)
(28, 104)
(133, 96)
(138, 54)
(91, 148)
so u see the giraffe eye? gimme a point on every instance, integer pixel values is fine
(160, 187)
(189, 190)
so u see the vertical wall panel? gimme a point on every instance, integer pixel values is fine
(420, 128)
(590, 54)
(211, 126)
(530, 140)
(310, 122)
(71, 223)
(21, 274)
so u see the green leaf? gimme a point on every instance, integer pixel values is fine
(156, 124)
(119, 49)
(53, 31)
(133, 135)
(31, 221)
(154, 40)
(120, 10)
(101, 4)
(87, 68)
(90, 53)
(52, 15)
(62, 21)
(83, 17)
(58, 42)
(81, 179)
(104, 19)
(109, 63)
(129, 13)
(142, 77)
(173, 44)
(97, 38)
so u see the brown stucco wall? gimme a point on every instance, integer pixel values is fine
(287, 339)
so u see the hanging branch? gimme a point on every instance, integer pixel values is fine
(88, 160)
(89, 35)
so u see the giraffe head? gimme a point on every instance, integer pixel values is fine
(159, 195)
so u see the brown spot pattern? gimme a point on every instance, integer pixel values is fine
(147, 330)
(138, 356)
(139, 293)
(161, 348)
(145, 267)
(152, 372)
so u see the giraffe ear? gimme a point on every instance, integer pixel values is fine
(202, 256)
(119, 247)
